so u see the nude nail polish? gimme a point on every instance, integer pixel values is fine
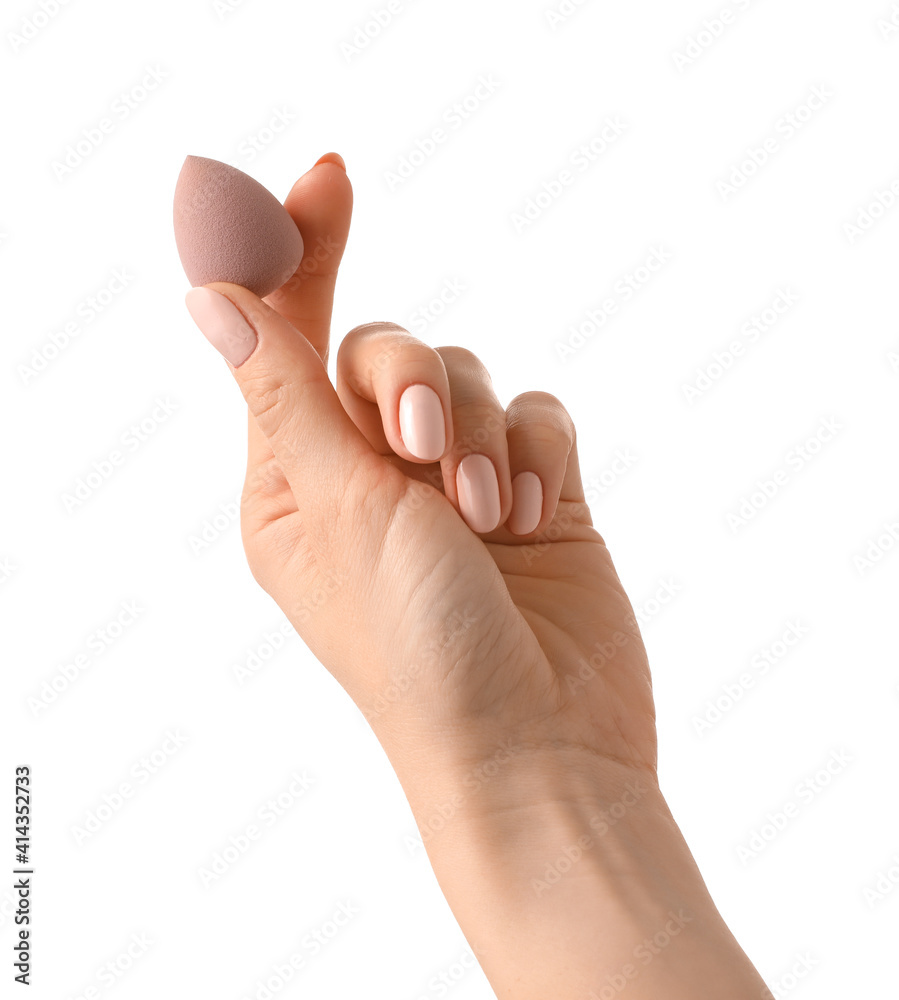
(527, 503)
(422, 425)
(222, 323)
(478, 490)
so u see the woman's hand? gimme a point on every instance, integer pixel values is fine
(482, 630)
(405, 553)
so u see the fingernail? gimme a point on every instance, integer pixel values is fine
(222, 323)
(527, 503)
(331, 158)
(421, 422)
(478, 490)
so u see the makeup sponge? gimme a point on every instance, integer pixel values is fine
(228, 227)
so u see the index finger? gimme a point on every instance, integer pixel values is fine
(321, 204)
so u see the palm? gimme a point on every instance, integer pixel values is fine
(547, 645)
(572, 600)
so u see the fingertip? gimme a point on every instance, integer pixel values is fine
(335, 158)
(223, 324)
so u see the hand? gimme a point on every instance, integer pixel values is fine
(447, 627)
(464, 619)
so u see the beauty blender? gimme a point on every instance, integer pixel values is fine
(228, 227)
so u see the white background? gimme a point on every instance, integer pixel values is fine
(668, 518)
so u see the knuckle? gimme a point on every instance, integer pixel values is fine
(463, 358)
(372, 348)
(265, 395)
(264, 479)
(537, 397)
(395, 352)
(540, 408)
(477, 412)
(372, 329)
(476, 424)
(545, 436)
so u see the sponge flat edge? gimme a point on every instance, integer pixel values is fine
(228, 227)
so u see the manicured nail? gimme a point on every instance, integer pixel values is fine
(331, 158)
(478, 490)
(222, 323)
(527, 503)
(422, 425)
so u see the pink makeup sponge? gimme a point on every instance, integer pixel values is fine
(228, 227)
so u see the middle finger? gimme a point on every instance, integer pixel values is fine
(476, 476)
(426, 405)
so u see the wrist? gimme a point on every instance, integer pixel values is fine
(568, 875)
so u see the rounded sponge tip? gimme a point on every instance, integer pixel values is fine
(228, 227)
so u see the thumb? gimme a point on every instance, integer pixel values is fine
(287, 388)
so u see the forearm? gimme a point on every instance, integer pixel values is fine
(571, 881)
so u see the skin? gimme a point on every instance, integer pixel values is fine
(504, 675)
